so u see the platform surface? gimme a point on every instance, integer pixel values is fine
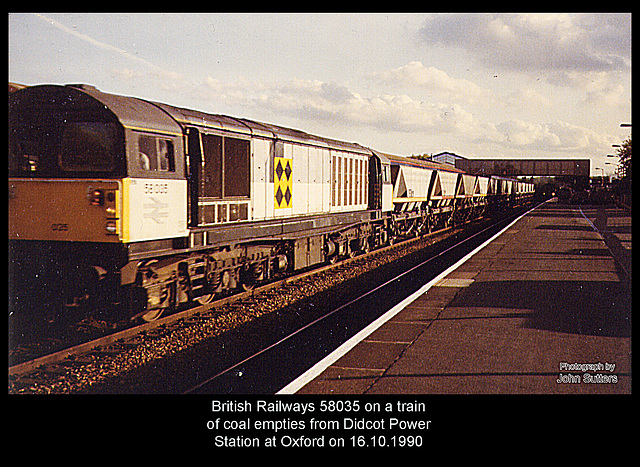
(545, 308)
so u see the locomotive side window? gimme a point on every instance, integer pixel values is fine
(156, 154)
(350, 180)
(339, 190)
(386, 175)
(226, 167)
(165, 155)
(236, 166)
(212, 148)
(334, 178)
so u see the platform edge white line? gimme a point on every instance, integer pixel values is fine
(327, 361)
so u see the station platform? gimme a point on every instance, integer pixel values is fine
(543, 308)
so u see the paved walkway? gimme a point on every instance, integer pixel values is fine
(544, 308)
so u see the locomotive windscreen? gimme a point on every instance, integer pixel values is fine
(88, 146)
(62, 133)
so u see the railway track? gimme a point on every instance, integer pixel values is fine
(86, 364)
(271, 366)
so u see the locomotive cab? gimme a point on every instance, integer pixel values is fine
(92, 177)
(65, 151)
(123, 154)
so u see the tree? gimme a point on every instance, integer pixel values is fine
(624, 152)
(623, 188)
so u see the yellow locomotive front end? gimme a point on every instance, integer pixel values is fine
(64, 210)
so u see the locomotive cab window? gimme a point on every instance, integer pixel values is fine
(64, 149)
(156, 154)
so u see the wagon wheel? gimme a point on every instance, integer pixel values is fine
(206, 298)
(366, 245)
(152, 315)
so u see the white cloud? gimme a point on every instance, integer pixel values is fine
(126, 74)
(607, 96)
(579, 79)
(526, 42)
(334, 104)
(527, 98)
(434, 81)
(403, 114)
(553, 136)
(599, 88)
(237, 92)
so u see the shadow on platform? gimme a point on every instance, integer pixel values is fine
(595, 308)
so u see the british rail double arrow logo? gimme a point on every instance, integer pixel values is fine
(157, 210)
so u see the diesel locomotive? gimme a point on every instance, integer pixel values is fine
(117, 200)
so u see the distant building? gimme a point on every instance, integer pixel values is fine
(526, 167)
(516, 167)
(447, 158)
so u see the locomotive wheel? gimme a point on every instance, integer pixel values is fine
(354, 248)
(251, 275)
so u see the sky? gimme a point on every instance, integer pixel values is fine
(479, 85)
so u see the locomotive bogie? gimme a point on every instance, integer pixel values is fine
(64, 274)
(182, 279)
